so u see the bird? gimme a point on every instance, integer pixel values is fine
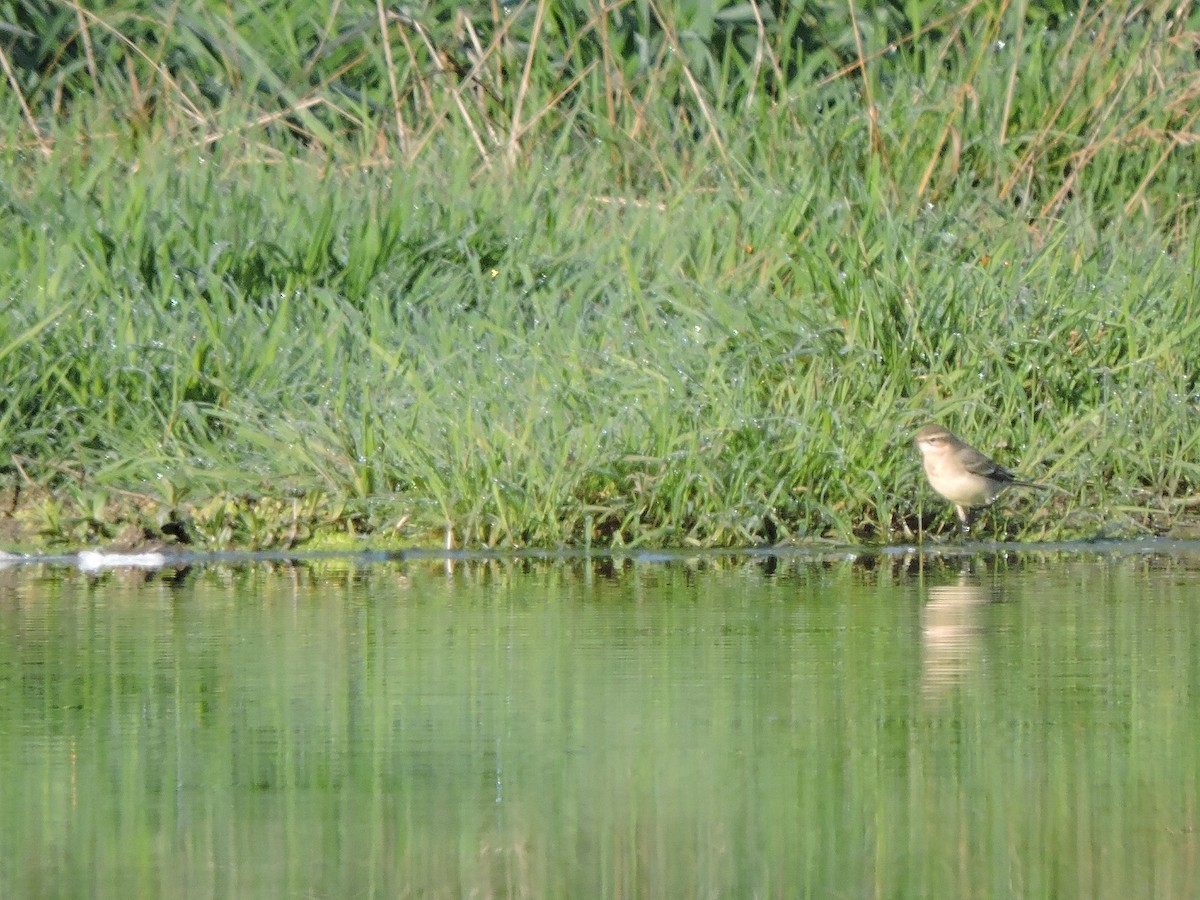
(963, 475)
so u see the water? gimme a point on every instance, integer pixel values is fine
(980, 726)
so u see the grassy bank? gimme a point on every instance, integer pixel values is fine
(543, 276)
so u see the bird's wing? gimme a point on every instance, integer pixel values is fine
(978, 464)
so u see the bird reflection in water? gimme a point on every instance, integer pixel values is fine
(951, 633)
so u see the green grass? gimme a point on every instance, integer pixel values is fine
(665, 276)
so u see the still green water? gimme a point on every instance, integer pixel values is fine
(987, 726)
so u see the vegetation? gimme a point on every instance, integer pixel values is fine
(570, 273)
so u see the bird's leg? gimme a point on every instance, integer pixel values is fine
(964, 520)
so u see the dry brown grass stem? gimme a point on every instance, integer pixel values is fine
(497, 74)
(265, 119)
(1027, 164)
(962, 94)
(189, 108)
(43, 143)
(872, 111)
(1011, 88)
(957, 16)
(1175, 140)
(401, 131)
(523, 85)
(552, 103)
(89, 54)
(631, 201)
(455, 94)
(714, 130)
(761, 49)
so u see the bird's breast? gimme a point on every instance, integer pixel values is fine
(957, 484)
